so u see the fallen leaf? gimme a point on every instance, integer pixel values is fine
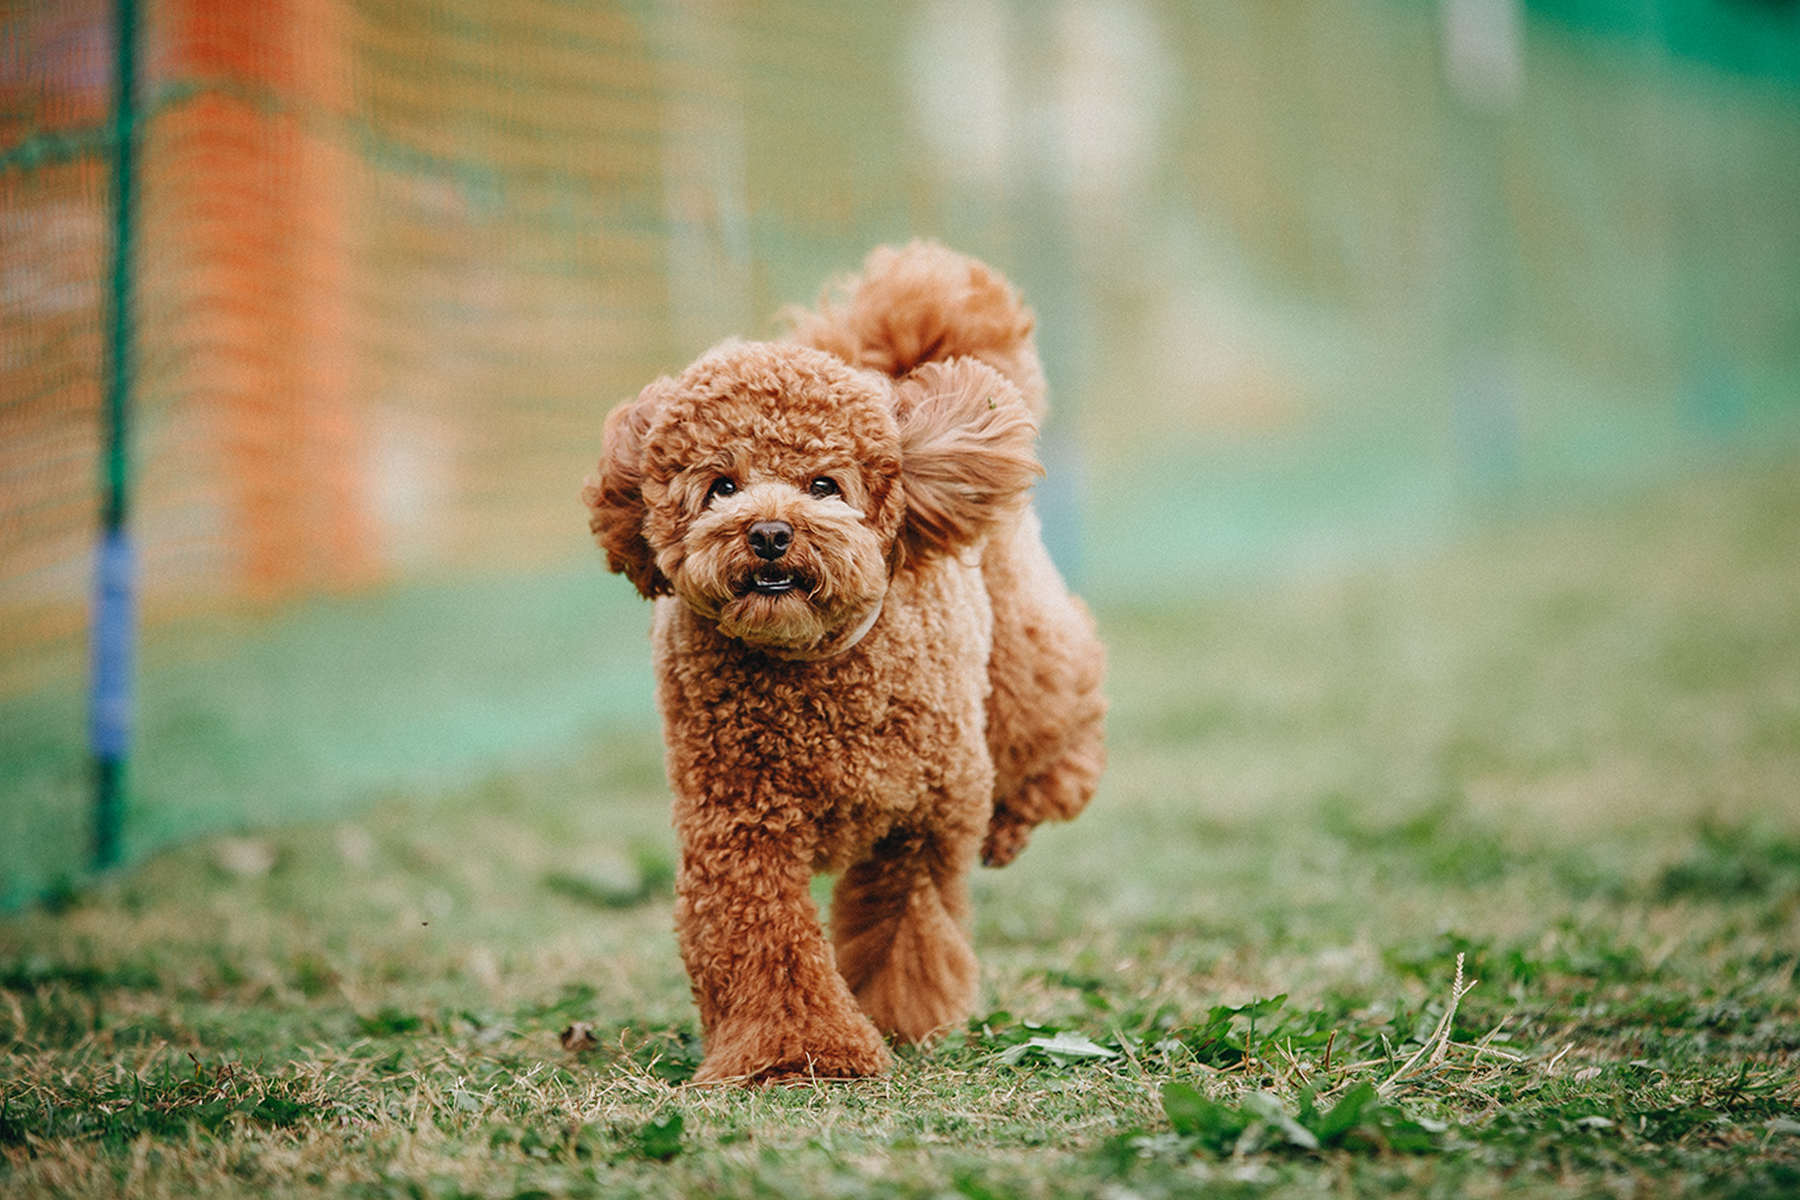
(579, 1038)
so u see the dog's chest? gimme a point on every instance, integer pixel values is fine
(847, 746)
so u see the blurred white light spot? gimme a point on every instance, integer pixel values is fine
(961, 93)
(1115, 83)
(1484, 51)
(409, 480)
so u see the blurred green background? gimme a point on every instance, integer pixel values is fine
(1318, 284)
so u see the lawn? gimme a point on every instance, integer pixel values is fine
(1564, 754)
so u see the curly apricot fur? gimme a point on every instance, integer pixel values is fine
(880, 675)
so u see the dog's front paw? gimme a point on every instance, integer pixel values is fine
(757, 1054)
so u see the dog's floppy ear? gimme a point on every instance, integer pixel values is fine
(614, 494)
(966, 456)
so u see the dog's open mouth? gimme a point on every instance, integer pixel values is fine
(772, 580)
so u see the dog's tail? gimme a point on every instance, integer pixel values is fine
(920, 303)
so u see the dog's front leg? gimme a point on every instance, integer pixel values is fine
(772, 1003)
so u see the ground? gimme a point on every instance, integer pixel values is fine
(1564, 752)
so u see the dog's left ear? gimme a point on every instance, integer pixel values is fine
(966, 457)
(614, 495)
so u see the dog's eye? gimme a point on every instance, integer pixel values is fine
(722, 486)
(823, 487)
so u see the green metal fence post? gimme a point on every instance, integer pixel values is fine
(114, 618)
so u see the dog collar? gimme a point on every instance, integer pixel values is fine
(818, 655)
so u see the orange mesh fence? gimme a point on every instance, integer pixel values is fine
(1320, 279)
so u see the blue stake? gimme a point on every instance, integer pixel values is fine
(114, 629)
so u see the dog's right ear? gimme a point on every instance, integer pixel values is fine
(614, 494)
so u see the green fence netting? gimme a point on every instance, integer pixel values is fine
(1315, 281)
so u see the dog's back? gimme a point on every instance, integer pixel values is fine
(923, 303)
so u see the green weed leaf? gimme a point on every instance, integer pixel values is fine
(660, 1141)
(1349, 1112)
(389, 1022)
(1213, 1126)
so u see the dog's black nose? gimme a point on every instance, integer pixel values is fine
(770, 539)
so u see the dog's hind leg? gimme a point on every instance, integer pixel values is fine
(898, 921)
(1046, 713)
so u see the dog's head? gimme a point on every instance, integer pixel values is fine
(776, 490)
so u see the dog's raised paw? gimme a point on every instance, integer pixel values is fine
(1005, 840)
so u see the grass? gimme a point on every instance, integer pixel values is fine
(1473, 875)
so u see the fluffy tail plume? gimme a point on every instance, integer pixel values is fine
(922, 303)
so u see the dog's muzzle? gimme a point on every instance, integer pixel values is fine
(769, 541)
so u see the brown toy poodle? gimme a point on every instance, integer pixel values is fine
(866, 663)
